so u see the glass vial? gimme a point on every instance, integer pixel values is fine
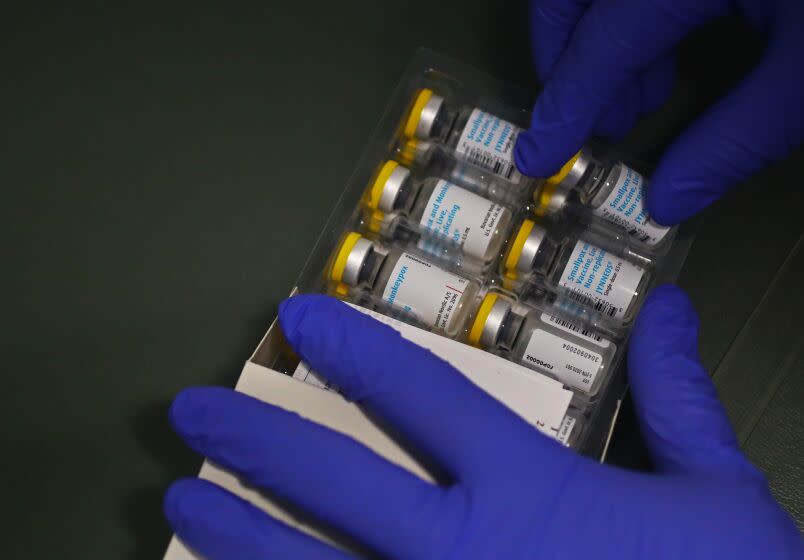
(470, 133)
(433, 160)
(414, 288)
(437, 211)
(543, 343)
(590, 275)
(609, 192)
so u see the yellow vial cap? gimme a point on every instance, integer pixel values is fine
(421, 99)
(375, 221)
(515, 250)
(542, 198)
(339, 265)
(480, 320)
(375, 192)
(407, 153)
(564, 171)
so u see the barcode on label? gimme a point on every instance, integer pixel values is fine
(574, 328)
(486, 160)
(634, 232)
(597, 304)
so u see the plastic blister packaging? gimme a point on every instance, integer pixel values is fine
(439, 229)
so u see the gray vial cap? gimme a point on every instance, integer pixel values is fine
(354, 262)
(428, 116)
(576, 173)
(494, 322)
(558, 199)
(530, 249)
(391, 188)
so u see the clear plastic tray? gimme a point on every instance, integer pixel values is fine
(393, 231)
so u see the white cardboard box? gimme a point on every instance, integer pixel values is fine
(538, 399)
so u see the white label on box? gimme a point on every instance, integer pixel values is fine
(570, 327)
(600, 280)
(462, 217)
(625, 207)
(488, 141)
(565, 430)
(570, 363)
(427, 292)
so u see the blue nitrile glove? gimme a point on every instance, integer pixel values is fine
(515, 495)
(606, 62)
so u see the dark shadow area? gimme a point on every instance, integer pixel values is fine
(142, 508)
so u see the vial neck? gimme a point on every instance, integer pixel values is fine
(546, 256)
(371, 267)
(406, 198)
(594, 180)
(509, 331)
(444, 123)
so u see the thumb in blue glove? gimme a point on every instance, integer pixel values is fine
(511, 493)
(604, 63)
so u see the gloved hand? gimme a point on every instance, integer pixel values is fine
(606, 62)
(513, 492)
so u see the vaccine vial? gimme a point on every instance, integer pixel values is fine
(472, 134)
(433, 160)
(413, 288)
(542, 342)
(602, 281)
(610, 192)
(438, 212)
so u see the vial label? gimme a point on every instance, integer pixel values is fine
(488, 141)
(572, 328)
(573, 365)
(625, 207)
(305, 373)
(424, 291)
(460, 216)
(598, 279)
(565, 429)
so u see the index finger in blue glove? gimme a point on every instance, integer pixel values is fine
(613, 42)
(759, 122)
(683, 422)
(434, 407)
(552, 23)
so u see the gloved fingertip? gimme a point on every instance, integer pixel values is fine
(679, 188)
(189, 411)
(176, 502)
(295, 312)
(665, 207)
(527, 156)
(667, 304)
(291, 310)
(666, 325)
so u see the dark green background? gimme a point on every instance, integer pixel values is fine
(164, 174)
